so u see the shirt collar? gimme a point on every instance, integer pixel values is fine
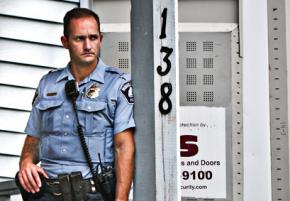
(97, 74)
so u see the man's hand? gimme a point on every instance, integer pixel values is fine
(29, 176)
(28, 171)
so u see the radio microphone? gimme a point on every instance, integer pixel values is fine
(71, 90)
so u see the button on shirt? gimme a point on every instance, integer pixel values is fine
(104, 108)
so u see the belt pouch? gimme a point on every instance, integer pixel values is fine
(77, 186)
(65, 187)
(27, 195)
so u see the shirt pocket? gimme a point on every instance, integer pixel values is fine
(52, 114)
(92, 117)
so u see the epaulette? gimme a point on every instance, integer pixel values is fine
(53, 74)
(114, 70)
(54, 70)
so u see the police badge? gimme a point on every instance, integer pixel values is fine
(93, 91)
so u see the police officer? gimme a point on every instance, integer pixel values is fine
(104, 107)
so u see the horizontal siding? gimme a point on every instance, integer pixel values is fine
(13, 120)
(22, 29)
(16, 198)
(75, 1)
(52, 11)
(30, 44)
(2, 179)
(16, 98)
(27, 76)
(9, 165)
(11, 143)
(31, 53)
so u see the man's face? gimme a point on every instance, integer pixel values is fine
(84, 41)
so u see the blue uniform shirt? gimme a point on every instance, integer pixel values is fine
(104, 106)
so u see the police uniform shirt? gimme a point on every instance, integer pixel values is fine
(104, 107)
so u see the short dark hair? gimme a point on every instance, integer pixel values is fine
(77, 13)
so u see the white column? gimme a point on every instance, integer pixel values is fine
(166, 99)
(154, 43)
(257, 161)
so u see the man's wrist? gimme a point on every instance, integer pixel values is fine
(25, 160)
(121, 198)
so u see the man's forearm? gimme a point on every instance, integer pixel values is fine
(28, 170)
(124, 163)
(124, 173)
(30, 150)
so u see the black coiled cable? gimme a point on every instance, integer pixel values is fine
(85, 148)
(104, 183)
(71, 90)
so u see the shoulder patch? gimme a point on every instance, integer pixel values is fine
(127, 91)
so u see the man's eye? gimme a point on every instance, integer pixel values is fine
(94, 37)
(79, 38)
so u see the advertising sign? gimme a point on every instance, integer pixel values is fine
(203, 152)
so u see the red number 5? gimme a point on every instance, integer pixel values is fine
(187, 146)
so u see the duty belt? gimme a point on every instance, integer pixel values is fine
(70, 186)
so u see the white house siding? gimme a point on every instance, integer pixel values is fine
(30, 46)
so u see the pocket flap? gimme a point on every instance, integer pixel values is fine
(91, 106)
(47, 104)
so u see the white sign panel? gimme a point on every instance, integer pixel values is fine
(203, 157)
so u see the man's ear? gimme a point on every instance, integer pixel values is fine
(101, 37)
(64, 41)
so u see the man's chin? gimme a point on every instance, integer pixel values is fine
(89, 62)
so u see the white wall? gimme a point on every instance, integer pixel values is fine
(257, 171)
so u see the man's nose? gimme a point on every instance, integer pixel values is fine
(87, 45)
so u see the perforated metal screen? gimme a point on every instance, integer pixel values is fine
(205, 69)
(211, 75)
(279, 101)
(115, 50)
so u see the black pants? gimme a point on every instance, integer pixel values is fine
(50, 197)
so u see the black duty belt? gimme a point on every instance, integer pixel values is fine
(53, 186)
(70, 184)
